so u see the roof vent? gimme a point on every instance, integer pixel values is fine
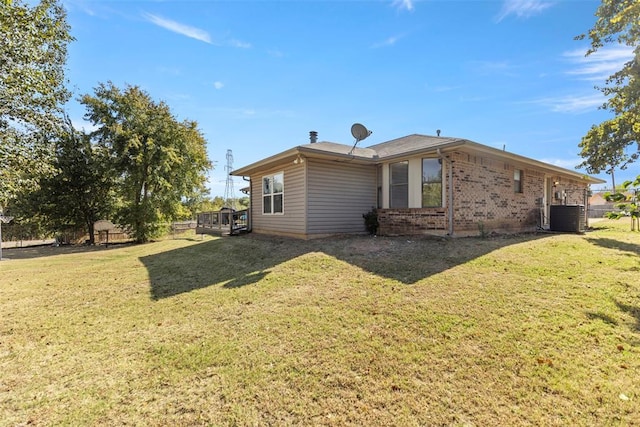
(313, 136)
(438, 132)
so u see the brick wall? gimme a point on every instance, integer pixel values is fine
(572, 192)
(484, 196)
(412, 221)
(484, 200)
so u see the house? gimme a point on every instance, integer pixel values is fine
(599, 206)
(417, 184)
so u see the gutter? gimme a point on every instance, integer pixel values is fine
(450, 169)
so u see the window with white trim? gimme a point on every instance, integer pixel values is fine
(431, 183)
(399, 185)
(273, 194)
(517, 180)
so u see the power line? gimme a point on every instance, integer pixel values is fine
(229, 194)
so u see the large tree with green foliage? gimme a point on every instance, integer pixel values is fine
(156, 160)
(616, 142)
(24, 157)
(79, 190)
(33, 53)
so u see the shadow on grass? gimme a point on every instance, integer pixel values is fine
(633, 311)
(604, 317)
(631, 248)
(233, 262)
(38, 251)
(47, 250)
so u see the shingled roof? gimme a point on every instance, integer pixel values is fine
(405, 146)
(412, 144)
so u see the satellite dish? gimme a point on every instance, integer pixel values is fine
(359, 132)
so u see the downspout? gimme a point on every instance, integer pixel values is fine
(450, 205)
(250, 210)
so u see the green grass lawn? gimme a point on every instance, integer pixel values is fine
(523, 330)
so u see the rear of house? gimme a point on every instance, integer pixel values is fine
(469, 188)
(416, 184)
(310, 196)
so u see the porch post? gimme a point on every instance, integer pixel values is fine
(449, 163)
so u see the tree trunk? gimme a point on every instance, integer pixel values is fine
(91, 230)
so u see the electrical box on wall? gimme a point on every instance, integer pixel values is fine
(557, 195)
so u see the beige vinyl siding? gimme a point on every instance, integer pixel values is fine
(292, 221)
(337, 196)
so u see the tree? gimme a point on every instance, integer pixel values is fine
(79, 192)
(611, 143)
(243, 203)
(627, 203)
(156, 160)
(210, 204)
(33, 53)
(194, 203)
(24, 157)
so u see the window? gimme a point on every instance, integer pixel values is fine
(517, 180)
(273, 194)
(399, 185)
(431, 183)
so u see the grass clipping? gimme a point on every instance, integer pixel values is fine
(521, 330)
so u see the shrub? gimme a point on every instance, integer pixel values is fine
(371, 221)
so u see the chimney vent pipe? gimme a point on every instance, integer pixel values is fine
(313, 136)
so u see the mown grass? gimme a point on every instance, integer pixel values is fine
(523, 330)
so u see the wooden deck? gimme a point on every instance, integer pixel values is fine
(223, 222)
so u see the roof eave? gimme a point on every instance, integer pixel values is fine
(310, 152)
(432, 149)
(536, 163)
(264, 163)
(299, 150)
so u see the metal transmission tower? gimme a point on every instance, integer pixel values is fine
(229, 194)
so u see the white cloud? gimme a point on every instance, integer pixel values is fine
(388, 42)
(572, 104)
(504, 68)
(522, 8)
(599, 65)
(403, 4)
(240, 44)
(81, 5)
(176, 27)
(218, 85)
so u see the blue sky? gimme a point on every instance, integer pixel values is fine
(258, 75)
